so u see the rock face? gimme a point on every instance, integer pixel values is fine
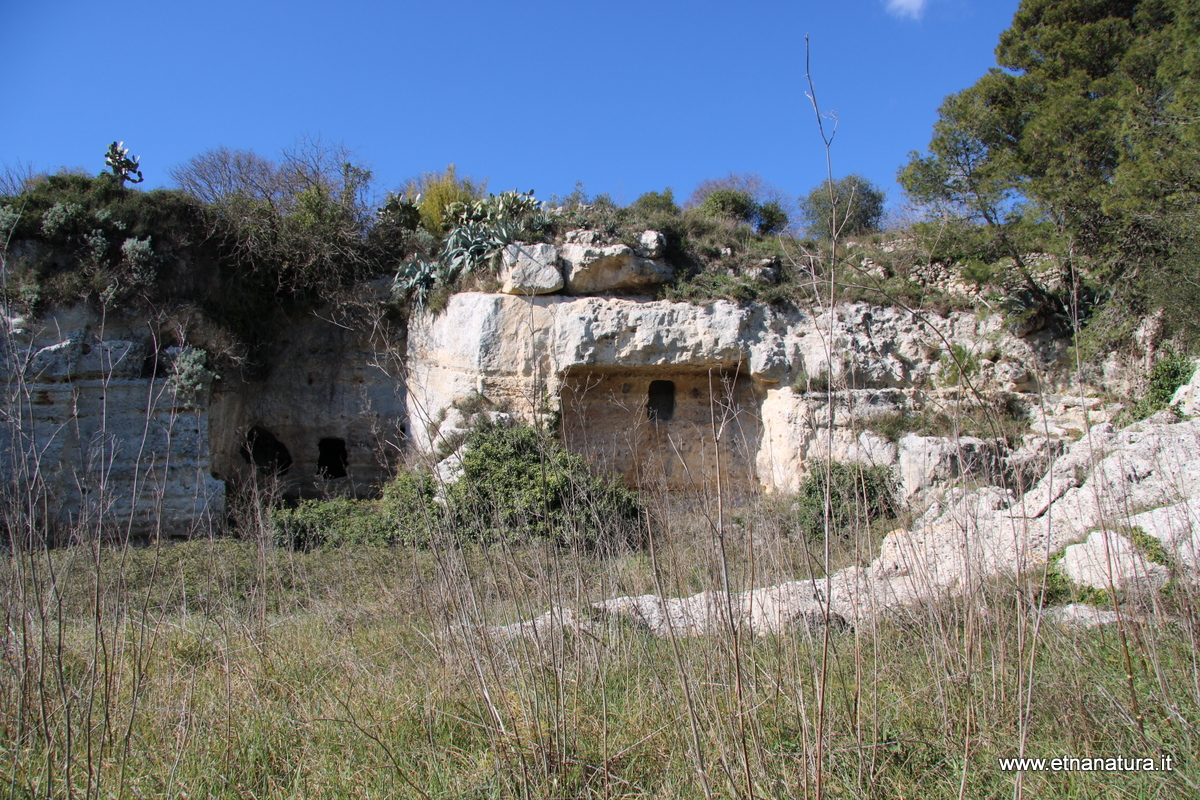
(683, 396)
(530, 269)
(96, 426)
(645, 388)
(103, 439)
(592, 269)
(927, 461)
(332, 398)
(974, 538)
(1152, 464)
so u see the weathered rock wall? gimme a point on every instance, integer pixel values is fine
(332, 396)
(92, 439)
(93, 426)
(594, 360)
(662, 393)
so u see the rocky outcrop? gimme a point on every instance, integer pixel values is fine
(591, 268)
(976, 537)
(97, 423)
(1107, 560)
(925, 462)
(761, 376)
(95, 433)
(530, 269)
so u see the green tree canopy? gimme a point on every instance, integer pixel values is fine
(849, 206)
(1088, 123)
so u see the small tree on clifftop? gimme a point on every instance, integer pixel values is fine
(848, 207)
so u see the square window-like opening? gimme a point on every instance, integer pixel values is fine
(332, 458)
(660, 401)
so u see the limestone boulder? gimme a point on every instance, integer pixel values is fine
(1079, 615)
(1109, 560)
(927, 461)
(1176, 526)
(592, 269)
(651, 244)
(528, 269)
(767, 271)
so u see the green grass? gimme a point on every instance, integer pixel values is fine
(225, 668)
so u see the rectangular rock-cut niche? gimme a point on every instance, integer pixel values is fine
(654, 426)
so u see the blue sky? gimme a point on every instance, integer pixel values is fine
(626, 97)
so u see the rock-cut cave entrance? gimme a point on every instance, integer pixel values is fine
(660, 401)
(653, 425)
(266, 452)
(333, 460)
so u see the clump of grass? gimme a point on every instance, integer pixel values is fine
(1169, 372)
(1005, 420)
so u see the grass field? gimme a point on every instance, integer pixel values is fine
(231, 668)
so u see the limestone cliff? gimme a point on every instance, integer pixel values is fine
(685, 396)
(99, 436)
(756, 379)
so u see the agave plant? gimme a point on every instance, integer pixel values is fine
(480, 230)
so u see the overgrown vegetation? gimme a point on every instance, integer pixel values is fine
(1084, 136)
(1004, 419)
(364, 670)
(855, 495)
(405, 514)
(519, 479)
(1169, 372)
(517, 484)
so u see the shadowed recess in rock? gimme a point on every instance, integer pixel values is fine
(266, 452)
(660, 401)
(332, 458)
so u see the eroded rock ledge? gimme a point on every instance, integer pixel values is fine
(763, 375)
(973, 538)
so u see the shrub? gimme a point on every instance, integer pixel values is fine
(403, 515)
(190, 376)
(958, 365)
(729, 204)
(331, 523)
(654, 203)
(95, 240)
(771, 218)
(857, 494)
(518, 482)
(435, 192)
(1170, 372)
(851, 206)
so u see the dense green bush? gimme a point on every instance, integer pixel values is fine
(518, 482)
(851, 206)
(858, 495)
(1169, 372)
(331, 523)
(405, 514)
(655, 203)
(729, 204)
